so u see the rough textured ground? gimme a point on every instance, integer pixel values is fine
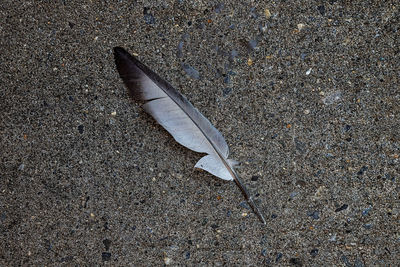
(305, 92)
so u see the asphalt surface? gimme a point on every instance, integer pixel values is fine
(306, 94)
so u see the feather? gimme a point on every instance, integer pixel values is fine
(178, 116)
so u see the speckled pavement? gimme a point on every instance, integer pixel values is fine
(306, 94)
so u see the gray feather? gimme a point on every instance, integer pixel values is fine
(178, 116)
(175, 113)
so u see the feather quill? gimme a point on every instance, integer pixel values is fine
(178, 116)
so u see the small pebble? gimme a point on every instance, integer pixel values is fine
(267, 13)
(253, 13)
(107, 244)
(214, 226)
(227, 79)
(264, 252)
(362, 170)
(226, 91)
(278, 257)
(167, 261)
(106, 256)
(366, 211)
(252, 44)
(148, 18)
(333, 238)
(314, 252)
(321, 10)
(332, 98)
(343, 207)
(314, 214)
(192, 72)
(219, 8)
(308, 71)
(80, 129)
(300, 26)
(296, 262)
(367, 226)
(187, 255)
(329, 155)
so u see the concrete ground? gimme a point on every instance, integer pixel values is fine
(306, 94)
